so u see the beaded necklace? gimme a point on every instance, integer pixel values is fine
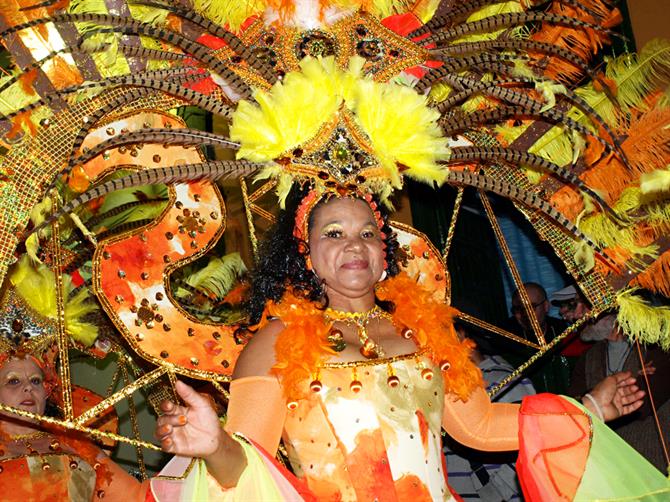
(369, 348)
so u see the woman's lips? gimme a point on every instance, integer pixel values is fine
(356, 265)
(28, 402)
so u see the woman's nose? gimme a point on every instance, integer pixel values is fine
(354, 243)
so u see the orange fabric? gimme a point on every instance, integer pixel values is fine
(378, 442)
(551, 465)
(480, 424)
(433, 326)
(121, 486)
(257, 410)
(26, 480)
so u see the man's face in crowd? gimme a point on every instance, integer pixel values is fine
(572, 310)
(539, 305)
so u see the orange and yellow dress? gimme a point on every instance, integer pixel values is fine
(376, 442)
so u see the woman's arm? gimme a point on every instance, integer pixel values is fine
(483, 425)
(256, 409)
(479, 424)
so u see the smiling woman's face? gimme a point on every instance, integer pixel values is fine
(22, 385)
(346, 247)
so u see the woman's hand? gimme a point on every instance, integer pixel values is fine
(193, 430)
(616, 395)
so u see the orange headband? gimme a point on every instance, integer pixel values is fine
(301, 226)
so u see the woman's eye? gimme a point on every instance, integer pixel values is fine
(368, 234)
(13, 381)
(36, 381)
(334, 234)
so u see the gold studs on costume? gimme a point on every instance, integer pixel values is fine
(427, 374)
(393, 381)
(445, 365)
(407, 333)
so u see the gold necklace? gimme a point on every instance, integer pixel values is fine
(369, 348)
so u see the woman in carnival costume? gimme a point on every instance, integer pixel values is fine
(355, 364)
(356, 371)
(38, 461)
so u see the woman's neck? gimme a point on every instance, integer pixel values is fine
(343, 303)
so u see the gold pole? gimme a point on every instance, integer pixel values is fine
(63, 341)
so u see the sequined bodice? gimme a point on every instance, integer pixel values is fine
(371, 433)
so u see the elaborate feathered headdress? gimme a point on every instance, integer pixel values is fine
(347, 96)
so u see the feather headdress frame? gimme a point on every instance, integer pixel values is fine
(525, 131)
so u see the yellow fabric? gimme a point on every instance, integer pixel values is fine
(255, 483)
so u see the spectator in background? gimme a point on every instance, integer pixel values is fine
(552, 372)
(488, 476)
(572, 306)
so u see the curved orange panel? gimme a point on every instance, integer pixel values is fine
(131, 271)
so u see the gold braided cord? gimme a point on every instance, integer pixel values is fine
(495, 329)
(374, 362)
(450, 234)
(219, 388)
(523, 294)
(452, 224)
(250, 218)
(63, 339)
(172, 378)
(76, 427)
(595, 312)
(123, 393)
(262, 190)
(115, 379)
(133, 424)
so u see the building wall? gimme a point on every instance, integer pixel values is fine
(650, 19)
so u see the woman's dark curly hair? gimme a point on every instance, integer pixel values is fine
(281, 260)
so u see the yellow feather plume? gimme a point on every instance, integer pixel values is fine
(643, 322)
(655, 182)
(35, 283)
(402, 130)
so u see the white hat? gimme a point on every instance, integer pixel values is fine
(562, 295)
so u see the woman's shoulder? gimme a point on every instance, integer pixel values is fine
(258, 356)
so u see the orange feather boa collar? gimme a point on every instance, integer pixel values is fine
(302, 346)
